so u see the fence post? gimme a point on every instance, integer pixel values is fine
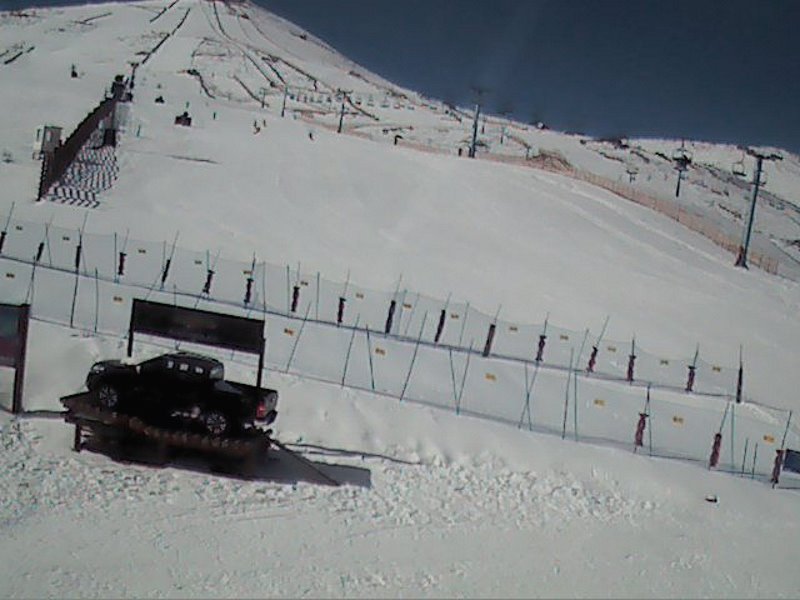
(631, 361)
(349, 349)
(317, 309)
(528, 391)
(463, 325)
(413, 358)
(776, 468)
(288, 302)
(566, 393)
(96, 299)
(440, 326)
(369, 355)
(264, 292)
(713, 460)
(575, 399)
(453, 377)
(489, 339)
(297, 339)
(390, 317)
(744, 455)
(733, 429)
(464, 378)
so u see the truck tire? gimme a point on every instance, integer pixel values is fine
(108, 397)
(216, 423)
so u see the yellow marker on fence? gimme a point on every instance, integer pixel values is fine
(676, 420)
(599, 402)
(769, 439)
(288, 331)
(380, 351)
(491, 377)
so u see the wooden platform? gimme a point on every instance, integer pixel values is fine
(98, 424)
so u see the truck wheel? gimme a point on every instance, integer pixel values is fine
(108, 396)
(216, 423)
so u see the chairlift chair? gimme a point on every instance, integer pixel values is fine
(682, 155)
(738, 168)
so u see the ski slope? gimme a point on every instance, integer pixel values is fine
(436, 503)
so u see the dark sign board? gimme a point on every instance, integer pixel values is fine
(13, 341)
(791, 461)
(9, 334)
(197, 326)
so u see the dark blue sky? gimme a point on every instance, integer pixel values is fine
(722, 70)
(715, 70)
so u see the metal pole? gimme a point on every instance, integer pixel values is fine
(96, 299)
(786, 431)
(350, 349)
(453, 377)
(733, 434)
(413, 358)
(474, 131)
(744, 456)
(19, 368)
(341, 116)
(464, 378)
(463, 325)
(317, 308)
(288, 292)
(741, 260)
(283, 106)
(566, 393)
(369, 355)
(297, 339)
(650, 421)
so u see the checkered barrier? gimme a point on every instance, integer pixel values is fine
(93, 171)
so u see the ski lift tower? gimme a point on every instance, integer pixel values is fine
(682, 158)
(479, 91)
(344, 95)
(758, 180)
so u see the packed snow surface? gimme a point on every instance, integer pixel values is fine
(433, 503)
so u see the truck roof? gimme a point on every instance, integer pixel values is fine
(191, 356)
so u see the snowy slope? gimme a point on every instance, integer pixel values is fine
(483, 509)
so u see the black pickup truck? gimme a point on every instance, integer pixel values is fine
(184, 390)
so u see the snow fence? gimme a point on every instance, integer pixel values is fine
(281, 289)
(422, 350)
